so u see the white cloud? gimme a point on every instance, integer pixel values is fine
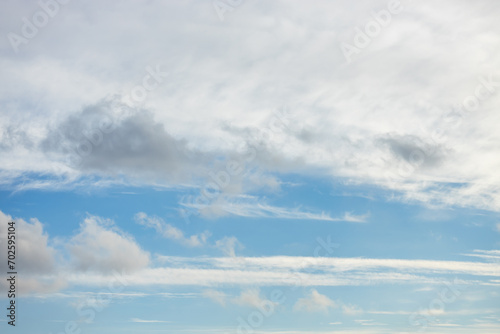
(293, 271)
(171, 232)
(36, 259)
(490, 255)
(351, 310)
(342, 265)
(148, 321)
(365, 322)
(217, 296)
(344, 126)
(252, 298)
(34, 255)
(101, 246)
(315, 302)
(228, 245)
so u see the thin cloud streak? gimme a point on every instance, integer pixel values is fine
(250, 207)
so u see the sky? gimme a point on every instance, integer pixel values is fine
(243, 166)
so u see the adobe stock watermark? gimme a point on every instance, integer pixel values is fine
(153, 78)
(277, 296)
(224, 6)
(371, 30)
(31, 26)
(427, 316)
(95, 137)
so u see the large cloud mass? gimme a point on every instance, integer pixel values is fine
(413, 111)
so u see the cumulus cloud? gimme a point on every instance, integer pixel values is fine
(171, 232)
(101, 246)
(35, 255)
(314, 302)
(36, 258)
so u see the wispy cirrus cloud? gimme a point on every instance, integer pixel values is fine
(252, 207)
(490, 255)
(148, 321)
(171, 232)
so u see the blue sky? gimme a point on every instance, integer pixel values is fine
(251, 167)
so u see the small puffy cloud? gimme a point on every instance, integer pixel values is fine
(314, 302)
(217, 296)
(101, 246)
(228, 245)
(252, 298)
(351, 310)
(171, 232)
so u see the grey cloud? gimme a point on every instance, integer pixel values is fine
(37, 256)
(413, 150)
(113, 139)
(12, 137)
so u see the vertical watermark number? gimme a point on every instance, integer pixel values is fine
(11, 273)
